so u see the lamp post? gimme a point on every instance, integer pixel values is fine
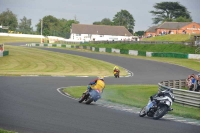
(41, 29)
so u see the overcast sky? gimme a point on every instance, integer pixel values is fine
(89, 11)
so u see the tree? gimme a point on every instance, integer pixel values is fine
(182, 19)
(25, 26)
(8, 18)
(169, 11)
(55, 27)
(139, 33)
(68, 26)
(49, 25)
(105, 21)
(124, 18)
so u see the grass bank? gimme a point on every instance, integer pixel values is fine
(170, 37)
(177, 48)
(137, 96)
(33, 61)
(7, 39)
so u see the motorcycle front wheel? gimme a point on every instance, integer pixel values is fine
(142, 112)
(161, 111)
(82, 98)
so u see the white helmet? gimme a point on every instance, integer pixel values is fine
(101, 77)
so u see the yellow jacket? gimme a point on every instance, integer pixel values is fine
(100, 85)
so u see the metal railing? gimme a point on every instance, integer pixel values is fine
(184, 97)
(197, 50)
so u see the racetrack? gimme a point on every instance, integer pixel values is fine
(32, 104)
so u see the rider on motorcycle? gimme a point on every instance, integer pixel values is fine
(162, 94)
(116, 69)
(97, 84)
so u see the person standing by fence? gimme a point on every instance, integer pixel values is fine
(192, 78)
(197, 87)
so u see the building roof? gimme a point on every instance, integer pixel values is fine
(173, 25)
(152, 29)
(100, 30)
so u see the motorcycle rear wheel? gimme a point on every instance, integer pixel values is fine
(142, 112)
(161, 111)
(89, 100)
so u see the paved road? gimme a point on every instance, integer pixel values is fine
(33, 104)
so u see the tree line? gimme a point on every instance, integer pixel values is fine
(52, 26)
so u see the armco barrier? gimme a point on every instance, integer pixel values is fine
(142, 53)
(108, 50)
(182, 96)
(124, 51)
(174, 55)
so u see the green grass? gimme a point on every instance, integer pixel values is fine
(7, 39)
(6, 131)
(33, 61)
(137, 96)
(171, 37)
(178, 48)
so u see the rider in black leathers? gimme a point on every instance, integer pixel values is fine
(162, 94)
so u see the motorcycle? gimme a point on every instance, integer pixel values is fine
(116, 74)
(90, 96)
(157, 106)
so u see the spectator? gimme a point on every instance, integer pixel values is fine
(191, 88)
(188, 81)
(197, 88)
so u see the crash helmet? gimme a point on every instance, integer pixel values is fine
(101, 78)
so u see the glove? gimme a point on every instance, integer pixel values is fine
(151, 98)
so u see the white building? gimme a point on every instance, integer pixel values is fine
(84, 32)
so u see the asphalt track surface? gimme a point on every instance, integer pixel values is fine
(33, 104)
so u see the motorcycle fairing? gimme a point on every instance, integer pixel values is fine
(95, 95)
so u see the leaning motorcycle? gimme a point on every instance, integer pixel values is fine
(116, 74)
(90, 96)
(157, 107)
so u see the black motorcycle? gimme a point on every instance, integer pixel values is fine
(157, 107)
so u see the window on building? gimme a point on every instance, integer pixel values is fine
(193, 26)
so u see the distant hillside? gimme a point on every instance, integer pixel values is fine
(171, 37)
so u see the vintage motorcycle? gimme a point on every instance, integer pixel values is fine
(158, 106)
(90, 96)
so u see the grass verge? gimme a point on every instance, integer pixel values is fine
(6, 131)
(6, 39)
(33, 61)
(175, 48)
(170, 37)
(137, 96)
